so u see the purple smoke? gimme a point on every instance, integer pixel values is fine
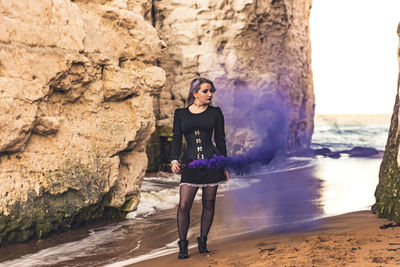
(256, 123)
(240, 163)
(213, 162)
(259, 128)
(278, 199)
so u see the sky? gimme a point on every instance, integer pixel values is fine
(354, 55)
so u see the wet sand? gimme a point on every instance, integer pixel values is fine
(352, 239)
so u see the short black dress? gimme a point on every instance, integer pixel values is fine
(198, 129)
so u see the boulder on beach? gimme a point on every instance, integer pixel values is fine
(361, 151)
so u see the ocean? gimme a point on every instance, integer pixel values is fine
(343, 132)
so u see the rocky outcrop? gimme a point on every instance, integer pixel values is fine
(387, 192)
(258, 53)
(77, 80)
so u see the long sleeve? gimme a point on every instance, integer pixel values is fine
(219, 134)
(177, 136)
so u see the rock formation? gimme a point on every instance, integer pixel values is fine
(259, 50)
(387, 192)
(77, 80)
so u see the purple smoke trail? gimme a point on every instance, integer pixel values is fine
(256, 125)
(283, 198)
(264, 116)
(240, 163)
(257, 120)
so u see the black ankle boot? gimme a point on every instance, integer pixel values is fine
(183, 249)
(202, 243)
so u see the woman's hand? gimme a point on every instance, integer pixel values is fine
(227, 175)
(175, 166)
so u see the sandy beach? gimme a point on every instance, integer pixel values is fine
(292, 233)
(353, 239)
(307, 212)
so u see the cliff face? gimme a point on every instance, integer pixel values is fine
(258, 53)
(77, 80)
(387, 192)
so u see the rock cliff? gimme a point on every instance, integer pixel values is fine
(387, 192)
(258, 53)
(77, 80)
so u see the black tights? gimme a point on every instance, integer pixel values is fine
(187, 194)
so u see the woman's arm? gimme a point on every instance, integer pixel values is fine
(219, 134)
(176, 141)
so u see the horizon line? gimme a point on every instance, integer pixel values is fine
(352, 114)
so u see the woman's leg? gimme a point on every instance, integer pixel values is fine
(207, 215)
(186, 197)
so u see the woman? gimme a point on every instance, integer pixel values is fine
(197, 122)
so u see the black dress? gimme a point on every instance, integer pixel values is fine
(197, 129)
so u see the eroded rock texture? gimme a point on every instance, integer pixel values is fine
(258, 53)
(76, 85)
(387, 192)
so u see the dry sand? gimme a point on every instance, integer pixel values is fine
(353, 239)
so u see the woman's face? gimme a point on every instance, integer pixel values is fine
(204, 95)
